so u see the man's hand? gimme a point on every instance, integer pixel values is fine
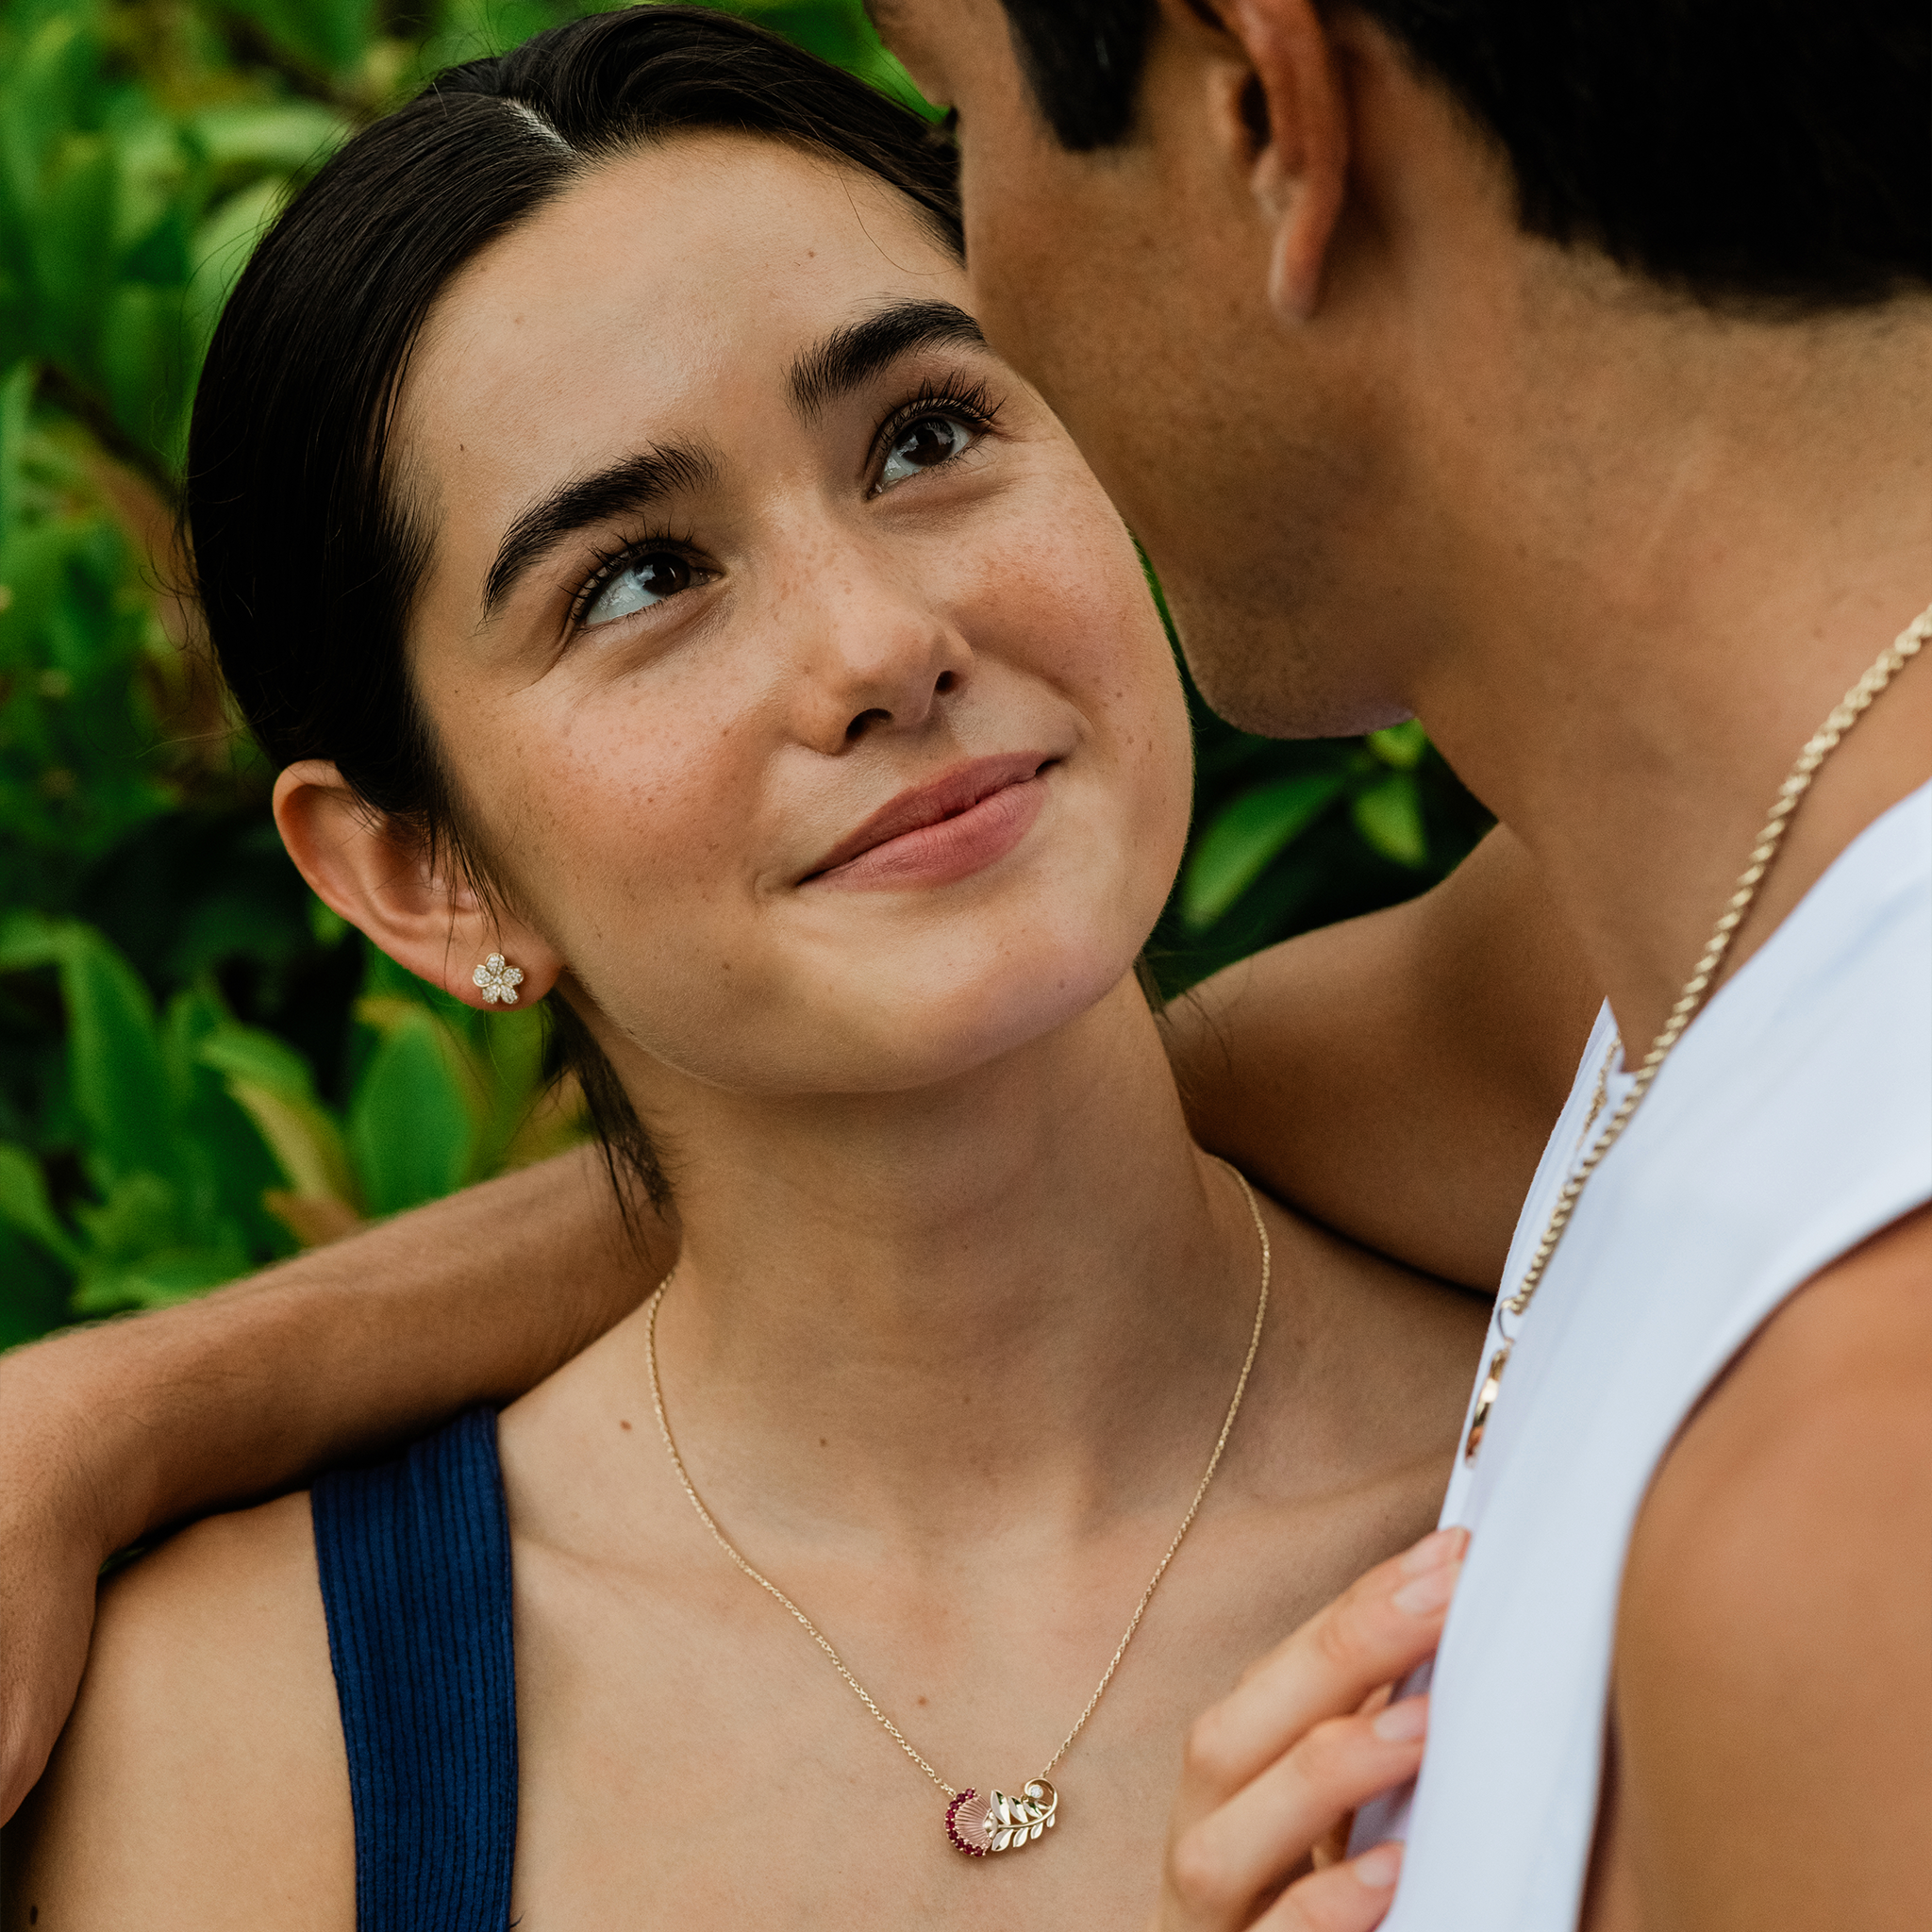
(111, 1433)
(1273, 1773)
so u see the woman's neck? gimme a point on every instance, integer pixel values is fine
(1032, 1266)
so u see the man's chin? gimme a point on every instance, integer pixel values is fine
(1266, 673)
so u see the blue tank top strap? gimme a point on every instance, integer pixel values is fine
(416, 1582)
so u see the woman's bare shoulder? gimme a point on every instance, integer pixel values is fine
(201, 1779)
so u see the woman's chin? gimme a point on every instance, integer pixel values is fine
(899, 1036)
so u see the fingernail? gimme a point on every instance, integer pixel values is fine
(1428, 1592)
(1378, 1869)
(1433, 1551)
(1404, 1722)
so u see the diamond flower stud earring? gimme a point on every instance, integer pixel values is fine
(498, 979)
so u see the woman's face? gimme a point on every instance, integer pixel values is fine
(800, 686)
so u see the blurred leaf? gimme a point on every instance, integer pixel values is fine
(44, 94)
(223, 244)
(73, 236)
(314, 1220)
(281, 137)
(121, 1088)
(138, 1217)
(1388, 816)
(1401, 745)
(272, 1085)
(159, 1280)
(33, 1290)
(16, 392)
(332, 36)
(143, 338)
(511, 1062)
(25, 1205)
(410, 1127)
(1238, 846)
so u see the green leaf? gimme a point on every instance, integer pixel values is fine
(1236, 849)
(116, 1072)
(510, 1058)
(16, 395)
(140, 1216)
(24, 1205)
(330, 35)
(46, 93)
(410, 1124)
(157, 1280)
(142, 337)
(121, 1089)
(33, 1291)
(326, 927)
(223, 244)
(272, 1085)
(1401, 745)
(1388, 816)
(73, 241)
(287, 137)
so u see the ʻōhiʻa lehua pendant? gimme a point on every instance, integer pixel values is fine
(999, 1823)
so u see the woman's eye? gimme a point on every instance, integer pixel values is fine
(923, 445)
(638, 585)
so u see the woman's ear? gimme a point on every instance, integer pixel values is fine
(428, 919)
(1285, 112)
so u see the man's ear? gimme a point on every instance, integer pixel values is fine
(379, 879)
(1283, 114)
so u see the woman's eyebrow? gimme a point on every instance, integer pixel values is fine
(626, 487)
(848, 357)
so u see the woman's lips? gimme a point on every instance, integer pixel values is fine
(947, 829)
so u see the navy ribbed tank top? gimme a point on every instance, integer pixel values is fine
(415, 1578)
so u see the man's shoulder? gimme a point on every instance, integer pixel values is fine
(1772, 1664)
(201, 1779)
(1815, 1422)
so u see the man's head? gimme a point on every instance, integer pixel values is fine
(1319, 287)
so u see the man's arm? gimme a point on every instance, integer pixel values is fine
(109, 1433)
(1771, 1711)
(1397, 1077)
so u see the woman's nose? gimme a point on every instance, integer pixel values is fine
(880, 671)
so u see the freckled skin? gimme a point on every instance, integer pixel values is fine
(1040, 605)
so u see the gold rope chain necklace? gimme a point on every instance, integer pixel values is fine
(977, 1825)
(1823, 743)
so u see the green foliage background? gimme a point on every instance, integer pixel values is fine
(201, 1069)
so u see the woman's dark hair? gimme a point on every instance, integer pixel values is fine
(1745, 152)
(308, 552)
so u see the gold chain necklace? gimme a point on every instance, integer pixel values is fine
(977, 1825)
(1847, 712)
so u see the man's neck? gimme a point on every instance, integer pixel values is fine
(1690, 537)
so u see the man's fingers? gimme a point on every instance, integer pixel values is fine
(1376, 1631)
(1353, 1897)
(1242, 1851)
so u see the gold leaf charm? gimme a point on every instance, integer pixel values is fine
(977, 1825)
(1485, 1402)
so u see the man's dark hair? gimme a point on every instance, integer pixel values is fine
(1737, 150)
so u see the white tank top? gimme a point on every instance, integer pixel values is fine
(1793, 1119)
